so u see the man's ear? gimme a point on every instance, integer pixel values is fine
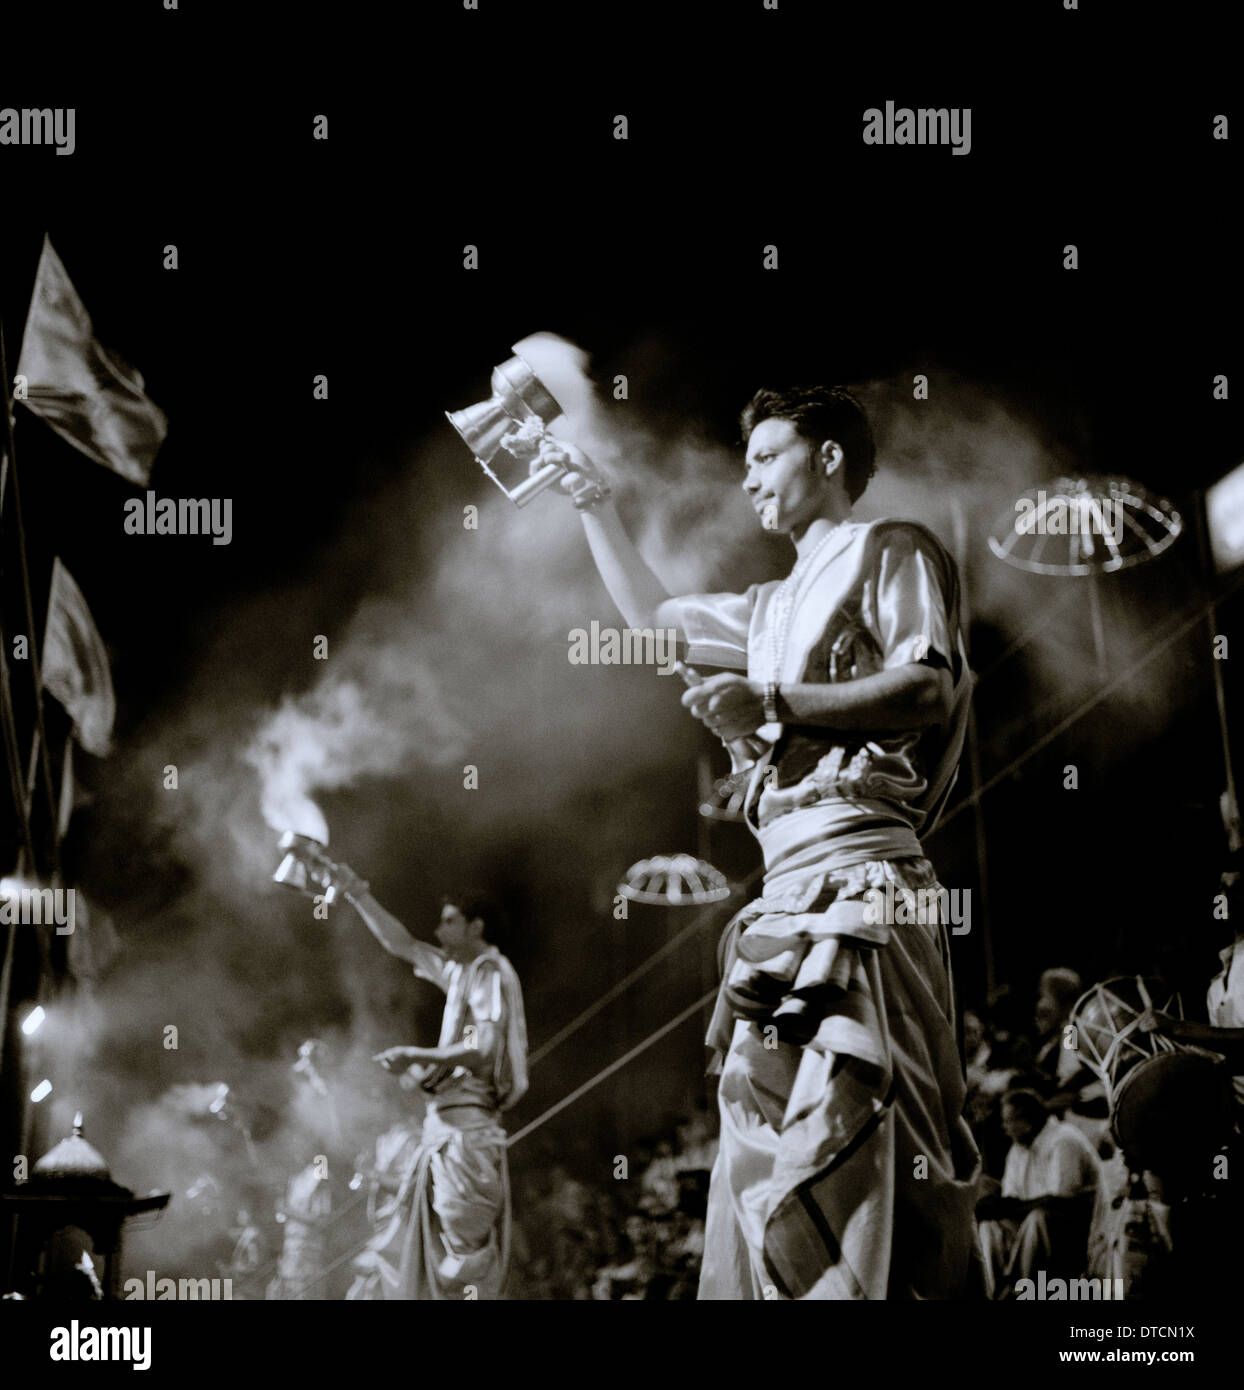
(831, 456)
(476, 927)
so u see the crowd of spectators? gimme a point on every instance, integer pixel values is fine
(637, 1235)
(1057, 1200)
(1038, 1116)
(1040, 1120)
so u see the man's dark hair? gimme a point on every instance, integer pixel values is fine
(1062, 984)
(1028, 1103)
(820, 413)
(473, 903)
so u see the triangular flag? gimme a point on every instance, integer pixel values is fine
(75, 664)
(88, 395)
(93, 944)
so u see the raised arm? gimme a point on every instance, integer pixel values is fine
(429, 961)
(325, 875)
(637, 593)
(384, 926)
(635, 590)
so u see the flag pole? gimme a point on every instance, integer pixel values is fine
(8, 715)
(8, 725)
(40, 735)
(13, 760)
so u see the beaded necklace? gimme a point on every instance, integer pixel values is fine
(785, 600)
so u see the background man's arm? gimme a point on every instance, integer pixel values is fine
(1227, 1041)
(477, 1055)
(393, 936)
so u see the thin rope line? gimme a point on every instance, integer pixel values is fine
(612, 1067)
(1142, 661)
(326, 1271)
(1026, 636)
(640, 970)
(265, 1272)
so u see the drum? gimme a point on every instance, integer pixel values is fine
(1107, 1036)
(1170, 1104)
(1172, 1110)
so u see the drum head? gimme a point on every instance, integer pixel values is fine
(1173, 1108)
(1105, 1020)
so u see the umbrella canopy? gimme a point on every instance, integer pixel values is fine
(1090, 525)
(674, 880)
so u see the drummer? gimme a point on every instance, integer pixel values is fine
(1224, 1000)
(1111, 1249)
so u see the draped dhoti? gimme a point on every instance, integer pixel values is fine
(455, 1239)
(845, 1168)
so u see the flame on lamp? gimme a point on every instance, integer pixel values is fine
(287, 809)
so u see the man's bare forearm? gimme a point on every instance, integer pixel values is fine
(457, 1053)
(474, 1056)
(907, 697)
(382, 924)
(635, 590)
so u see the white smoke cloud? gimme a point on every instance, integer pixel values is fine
(377, 711)
(458, 653)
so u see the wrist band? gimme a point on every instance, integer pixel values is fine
(597, 497)
(770, 703)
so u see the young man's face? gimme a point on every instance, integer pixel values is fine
(786, 481)
(454, 933)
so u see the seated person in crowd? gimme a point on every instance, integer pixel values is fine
(1039, 1221)
(1071, 1088)
(989, 1076)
